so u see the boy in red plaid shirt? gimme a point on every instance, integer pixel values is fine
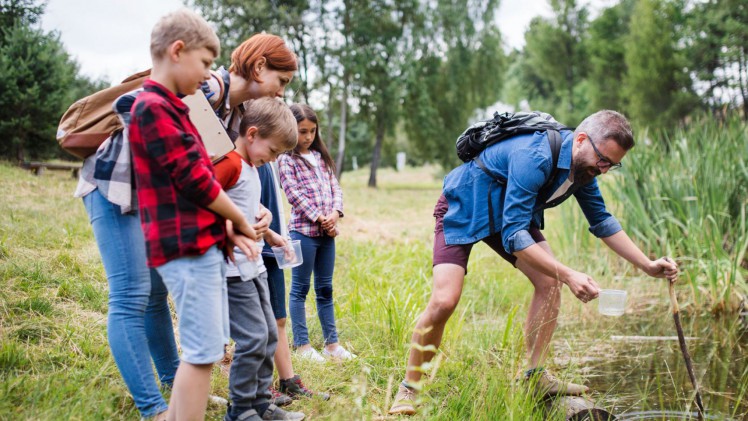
(182, 207)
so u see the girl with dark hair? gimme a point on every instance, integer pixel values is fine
(308, 177)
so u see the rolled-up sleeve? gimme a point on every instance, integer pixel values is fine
(518, 241)
(602, 223)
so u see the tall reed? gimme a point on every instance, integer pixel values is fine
(684, 193)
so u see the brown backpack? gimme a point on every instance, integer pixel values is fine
(90, 120)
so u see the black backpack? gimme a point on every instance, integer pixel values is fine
(503, 126)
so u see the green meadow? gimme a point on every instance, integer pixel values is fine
(685, 198)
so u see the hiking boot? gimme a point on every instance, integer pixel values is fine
(275, 413)
(546, 384)
(279, 399)
(405, 402)
(339, 353)
(295, 388)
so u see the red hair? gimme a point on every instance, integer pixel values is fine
(277, 56)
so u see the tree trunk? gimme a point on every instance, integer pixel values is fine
(329, 136)
(375, 157)
(742, 72)
(341, 134)
(304, 67)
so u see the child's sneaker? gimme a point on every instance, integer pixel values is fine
(294, 388)
(275, 413)
(340, 353)
(248, 415)
(217, 401)
(312, 355)
(279, 399)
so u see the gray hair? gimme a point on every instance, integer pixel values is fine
(608, 125)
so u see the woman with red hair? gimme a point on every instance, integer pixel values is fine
(262, 66)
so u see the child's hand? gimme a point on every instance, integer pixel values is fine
(275, 239)
(264, 218)
(247, 245)
(333, 232)
(330, 221)
(245, 229)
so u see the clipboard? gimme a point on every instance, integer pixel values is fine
(217, 142)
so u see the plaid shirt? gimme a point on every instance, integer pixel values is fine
(309, 196)
(174, 177)
(110, 168)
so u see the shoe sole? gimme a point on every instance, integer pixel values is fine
(402, 410)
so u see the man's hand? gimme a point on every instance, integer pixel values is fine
(582, 286)
(663, 268)
(330, 221)
(264, 218)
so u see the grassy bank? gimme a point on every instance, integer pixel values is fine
(55, 362)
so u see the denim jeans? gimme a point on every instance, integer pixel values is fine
(139, 316)
(276, 287)
(319, 257)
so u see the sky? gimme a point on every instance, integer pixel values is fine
(110, 38)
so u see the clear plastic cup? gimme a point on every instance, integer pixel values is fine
(290, 255)
(611, 302)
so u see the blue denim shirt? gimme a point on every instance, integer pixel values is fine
(525, 162)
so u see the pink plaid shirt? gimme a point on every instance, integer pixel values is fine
(309, 196)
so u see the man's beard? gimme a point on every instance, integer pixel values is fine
(582, 176)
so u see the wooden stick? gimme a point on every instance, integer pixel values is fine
(684, 350)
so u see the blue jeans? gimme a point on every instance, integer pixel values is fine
(319, 257)
(276, 287)
(139, 316)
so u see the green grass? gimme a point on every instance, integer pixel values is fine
(55, 362)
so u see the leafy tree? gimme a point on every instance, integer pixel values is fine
(36, 75)
(656, 88)
(20, 12)
(605, 52)
(555, 62)
(457, 67)
(718, 52)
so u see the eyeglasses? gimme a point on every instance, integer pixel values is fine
(604, 163)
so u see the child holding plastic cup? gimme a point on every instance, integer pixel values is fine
(308, 177)
(266, 129)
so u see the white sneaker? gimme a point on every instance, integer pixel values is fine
(340, 353)
(217, 401)
(312, 355)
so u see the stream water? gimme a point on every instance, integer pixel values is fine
(635, 367)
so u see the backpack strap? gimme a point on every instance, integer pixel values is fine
(555, 140)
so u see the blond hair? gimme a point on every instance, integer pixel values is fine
(186, 26)
(273, 119)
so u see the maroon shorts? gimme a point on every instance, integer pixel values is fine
(458, 254)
